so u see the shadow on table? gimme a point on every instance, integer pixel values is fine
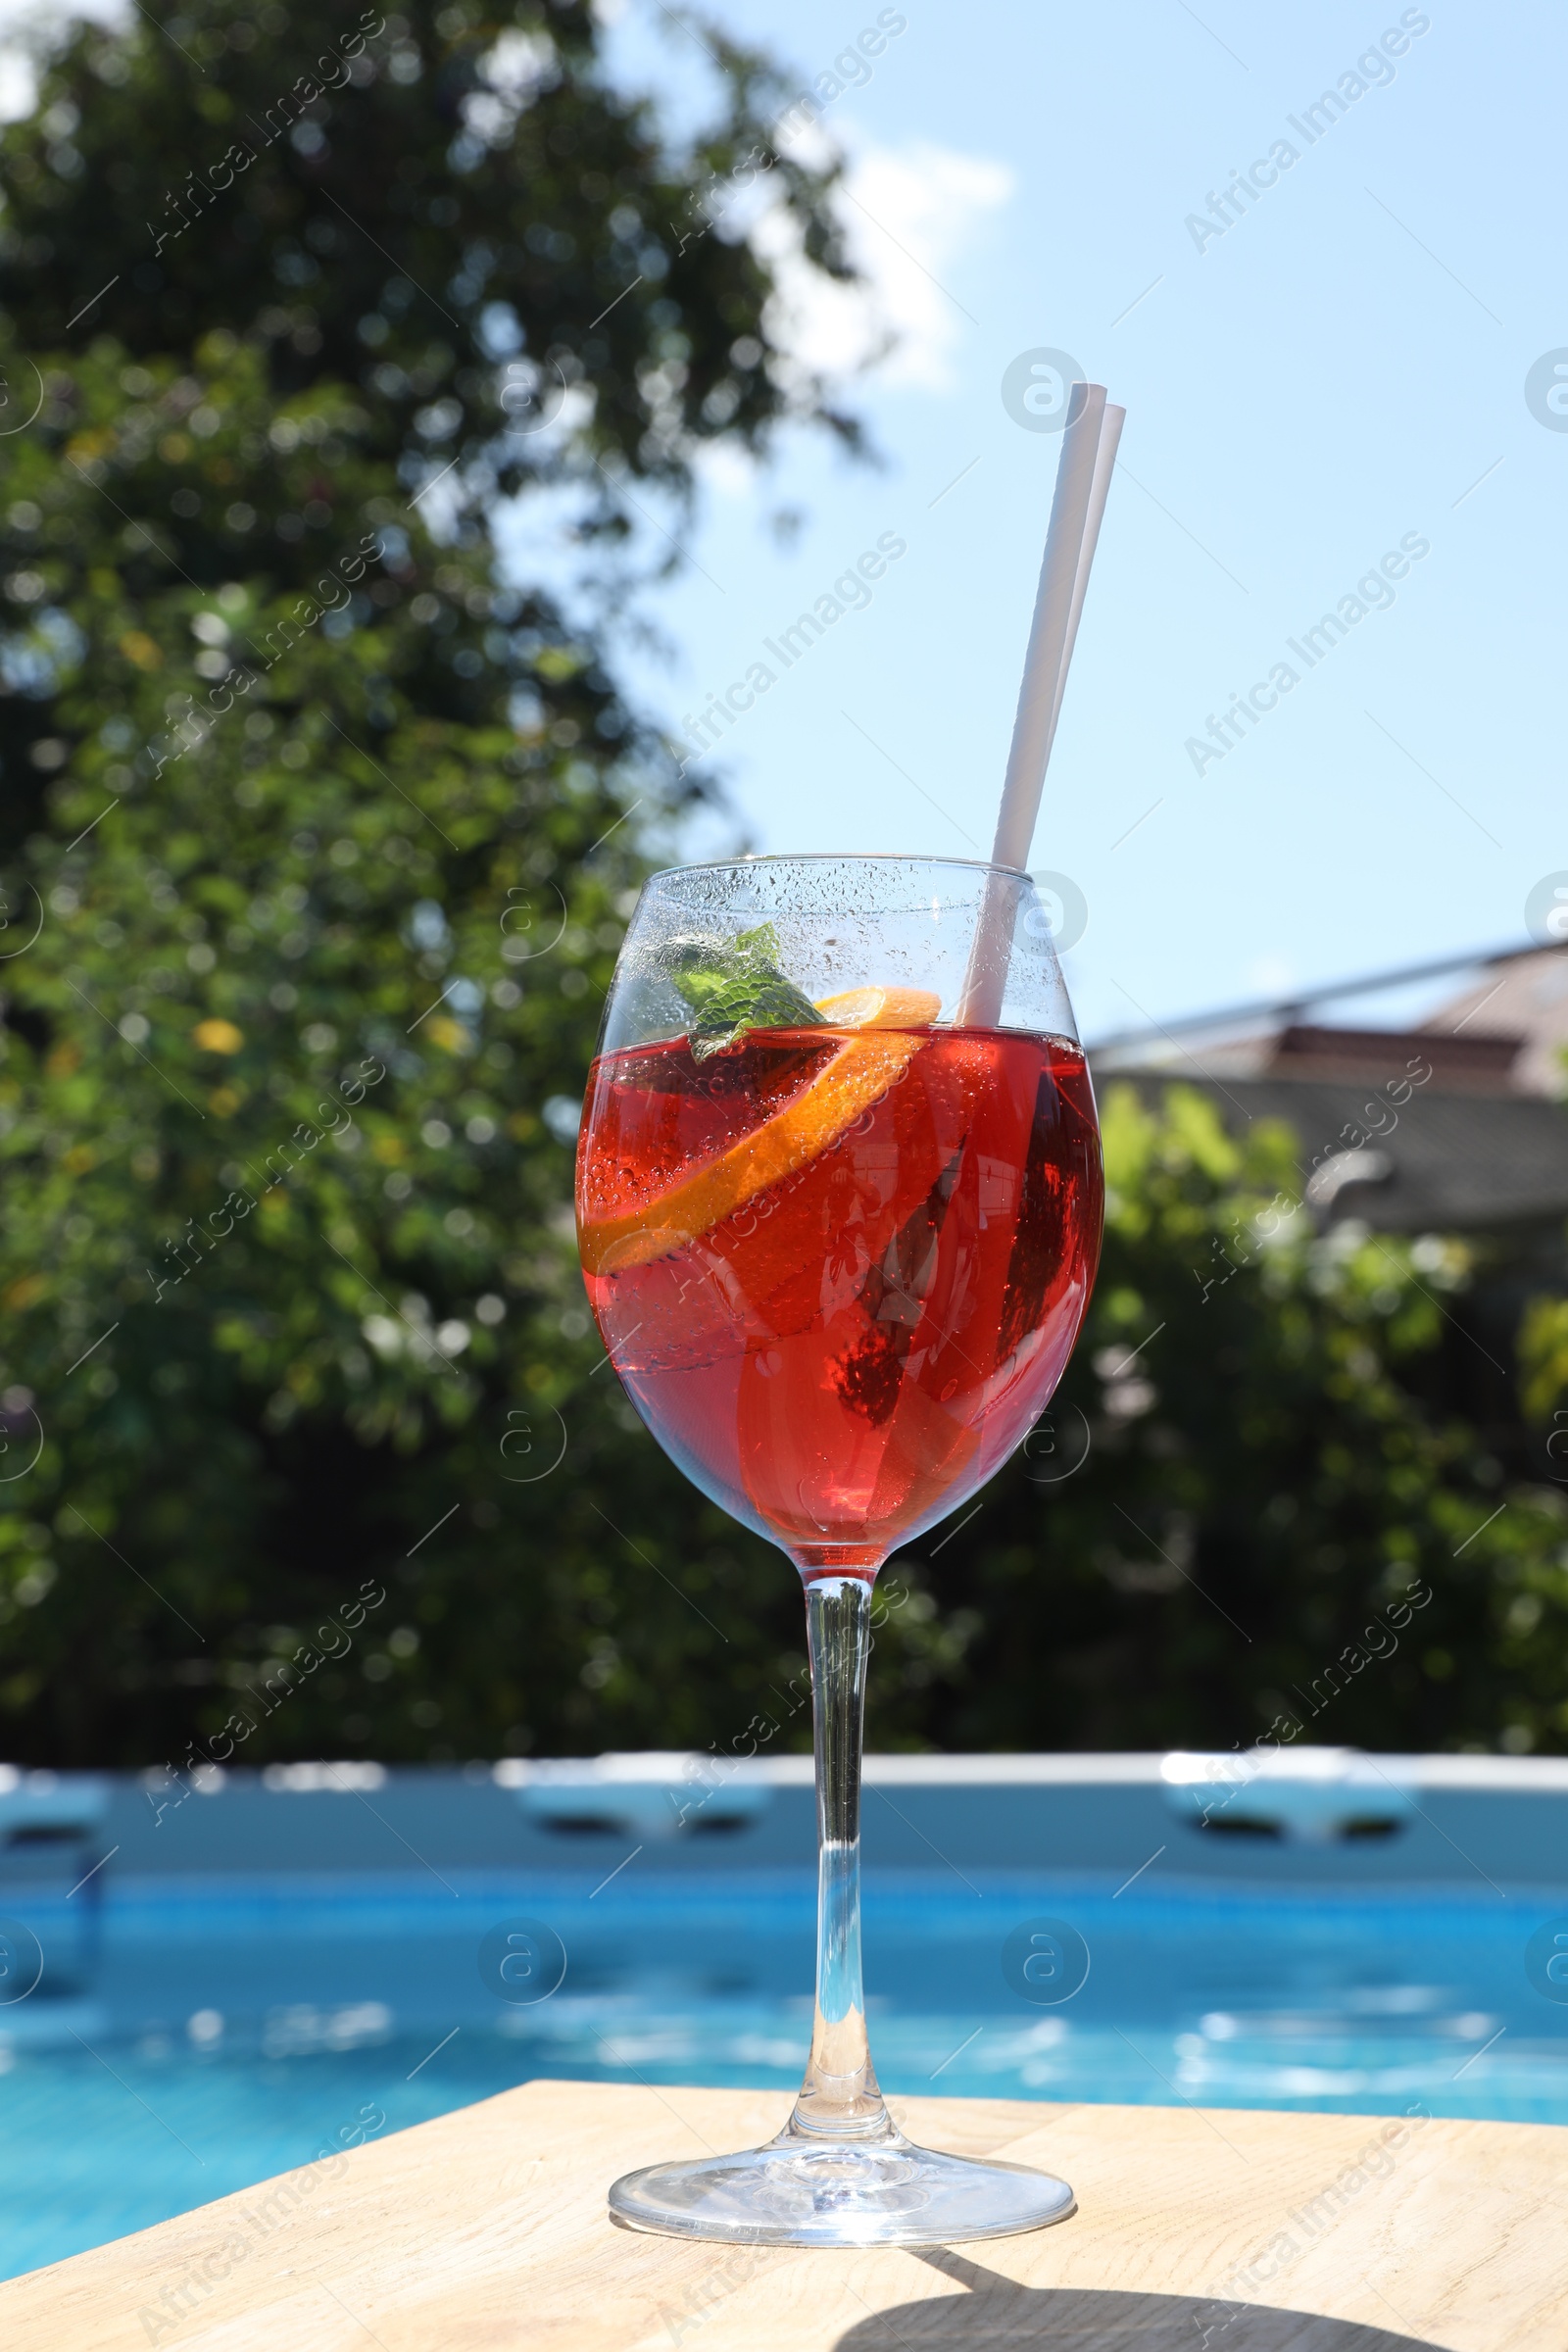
(996, 2315)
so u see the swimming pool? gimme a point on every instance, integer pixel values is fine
(213, 2030)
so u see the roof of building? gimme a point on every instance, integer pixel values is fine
(1477, 1063)
(1442, 1161)
(1525, 998)
(1479, 1142)
(1506, 1031)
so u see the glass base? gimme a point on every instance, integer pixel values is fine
(802, 2190)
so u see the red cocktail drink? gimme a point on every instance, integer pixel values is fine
(840, 1269)
(838, 1249)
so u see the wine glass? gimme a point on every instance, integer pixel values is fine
(839, 1237)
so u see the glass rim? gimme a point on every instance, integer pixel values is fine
(713, 865)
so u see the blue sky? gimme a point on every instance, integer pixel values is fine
(1342, 369)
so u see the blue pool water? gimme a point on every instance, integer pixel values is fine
(203, 2042)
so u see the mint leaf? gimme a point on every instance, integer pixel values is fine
(736, 985)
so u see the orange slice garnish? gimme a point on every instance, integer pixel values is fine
(860, 1072)
(881, 1009)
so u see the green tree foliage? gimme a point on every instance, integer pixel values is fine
(319, 828)
(319, 833)
(1238, 1482)
(1544, 1357)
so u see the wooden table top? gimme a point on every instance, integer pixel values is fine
(1197, 2232)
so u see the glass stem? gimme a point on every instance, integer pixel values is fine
(839, 2097)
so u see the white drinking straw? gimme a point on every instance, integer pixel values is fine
(1083, 482)
(1111, 422)
(1049, 634)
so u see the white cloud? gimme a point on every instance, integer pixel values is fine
(910, 215)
